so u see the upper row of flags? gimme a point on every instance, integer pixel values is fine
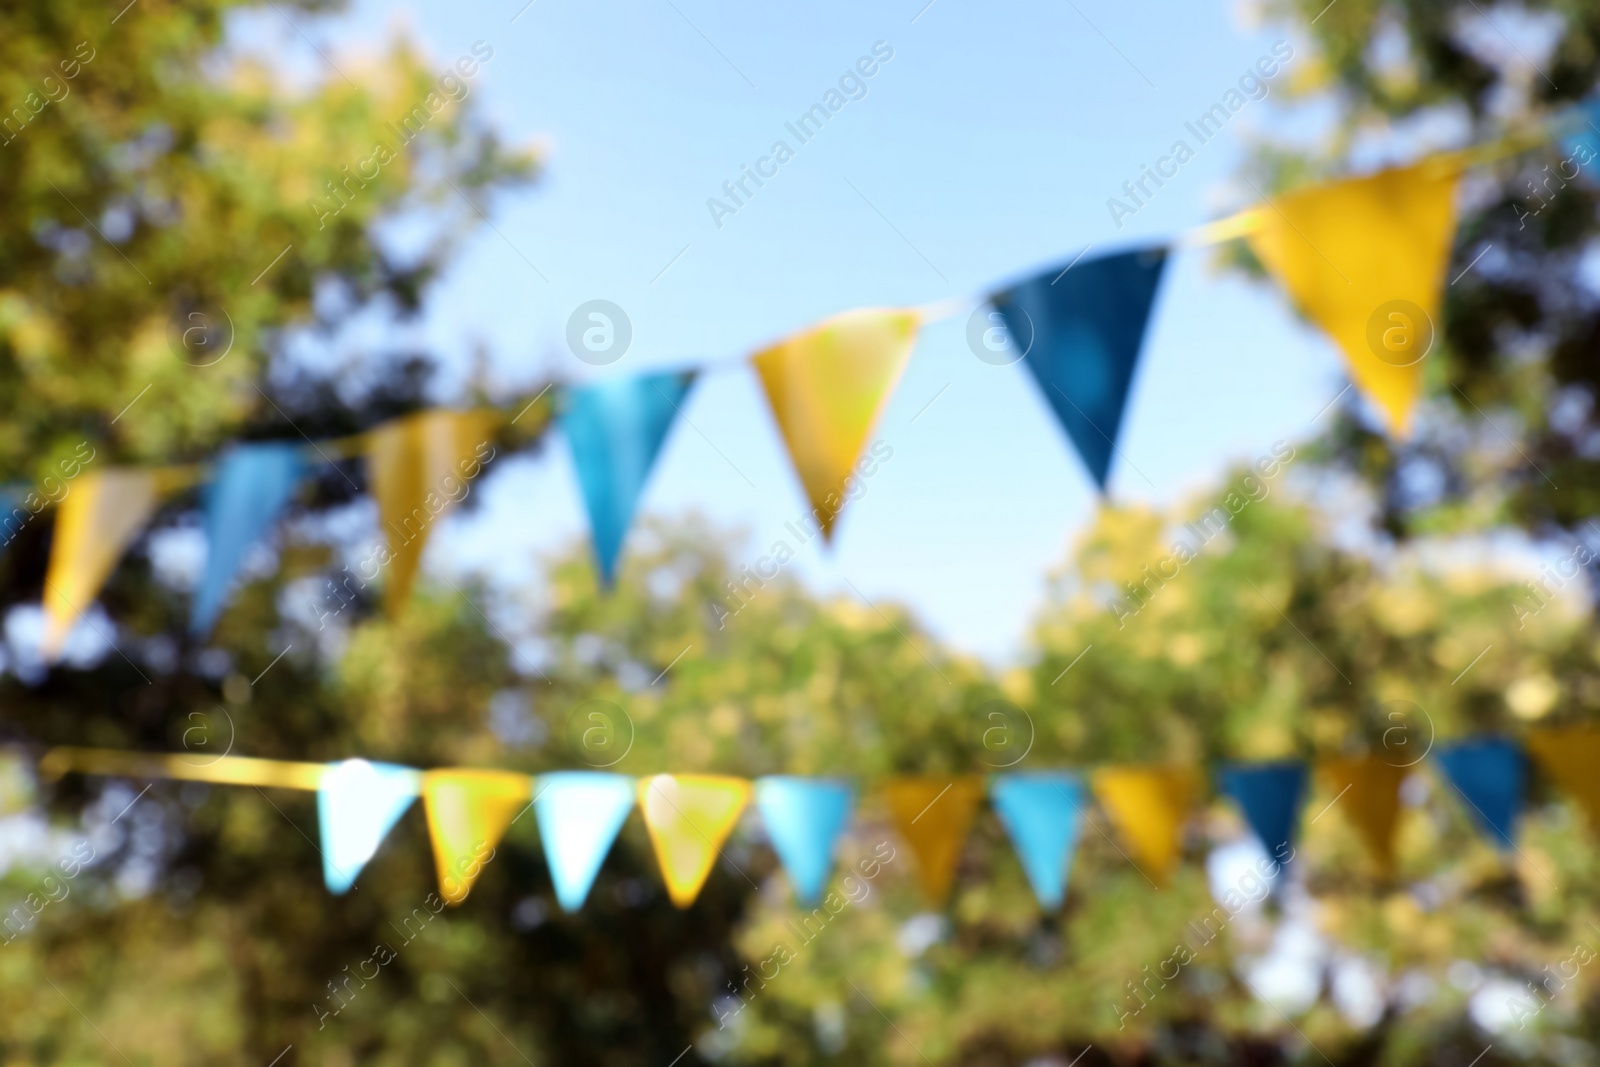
(689, 817)
(1363, 258)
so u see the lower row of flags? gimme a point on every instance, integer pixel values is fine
(689, 816)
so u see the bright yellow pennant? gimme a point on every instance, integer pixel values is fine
(1571, 755)
(1149, 806)
(934, 814)
(468, 812)
(827, 387)
(1365, 259)
(1367, 791)
(421, 465)
(101, 515)
(689, 816)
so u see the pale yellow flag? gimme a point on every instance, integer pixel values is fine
(689, 816)
(1571, 755)
(96, 521)
(1365, 260)
(1367, 793)
(1149, 806)
(422, 465)
(468, 812)
(934, 814)
(827, 387)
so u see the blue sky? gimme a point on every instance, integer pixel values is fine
(986, 148)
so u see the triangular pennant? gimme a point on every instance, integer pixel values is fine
(358, 803)
(1366, 791)
(1488, 773)
(827, 387)
(934, 814)
(420, 466)
(689, 816)
(1269, 795)
(1579, 129)
(1571, 755)
(804, 817)
(1041, 812)
(1149, 806)
(101, 515)
(251, 485)
(1080, 331)
(1360, 258)
(468, 812)
(580, 814)
(615, 428)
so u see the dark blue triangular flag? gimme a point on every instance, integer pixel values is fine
(615, 428)
(1269, 795)
(252, 483)
(1488, 773)
(1080, 330)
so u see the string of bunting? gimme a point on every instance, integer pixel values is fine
(1344, 251)
(688, 817)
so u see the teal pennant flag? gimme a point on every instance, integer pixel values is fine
(1041, 812)
(804, 817)
(358, 803)
(1269, 794)
(615, 429)
(1080, 330)
(251, 485)
(579, 815)
(1488, 774)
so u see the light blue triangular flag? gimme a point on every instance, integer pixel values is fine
(251, 485)
(579, 815)
(1578, 127)
(1270, 795)
(1080, 330)
(804, 817)
(1488, 774)
(357, 804)
(615, 428)
(1041, 811)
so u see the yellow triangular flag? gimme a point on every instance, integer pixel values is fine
(689, 816)
(420, 466)
(1571, 755)
(827, 387)
(934, 814)
(1367, 791)
(1149, 806)
(100, 516)
(1359, 257)
(468, 812)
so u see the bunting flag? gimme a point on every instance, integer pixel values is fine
(101, 515)
(251, 485)
(468, 812)
(1367, 793)
(1041, 812)
(1489, 774)
(420, 466)
(804, 818)
(580, 814)
(827, 387)
(934, 815)
(1359, 257)
(1149, 806)
(358, 803)
(1080, 331)
(1270, 795)
(689, 816)
(615, 429)
(1571, 754)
